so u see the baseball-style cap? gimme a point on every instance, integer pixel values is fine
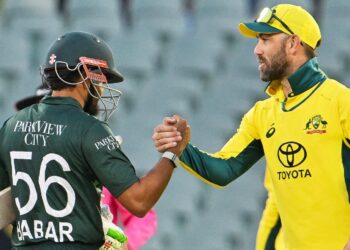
(40, 92)
(286, 18)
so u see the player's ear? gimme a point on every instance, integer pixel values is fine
(295, 41)
(293, 44)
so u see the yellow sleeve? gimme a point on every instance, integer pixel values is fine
(269, 236)
(344, 111)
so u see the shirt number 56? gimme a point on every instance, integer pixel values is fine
(44, 184)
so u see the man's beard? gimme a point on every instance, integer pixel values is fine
(278, 67)
(91, 105)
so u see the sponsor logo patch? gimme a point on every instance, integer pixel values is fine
(291, 155)
(316, 125)
(271, 131)
(109, 142)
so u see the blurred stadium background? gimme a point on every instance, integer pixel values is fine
(175, 60)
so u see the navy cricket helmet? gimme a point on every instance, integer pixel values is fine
(70, 47)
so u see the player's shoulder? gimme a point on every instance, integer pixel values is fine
(91, 124)
(334, 89)
(15, 117)
(266, 103)
(332, 83)
(89, 119)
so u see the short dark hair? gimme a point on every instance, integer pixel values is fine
(309, 51)
(51, 79)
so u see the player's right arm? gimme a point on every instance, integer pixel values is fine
(219, 169)
(143, 194)
(114, 170)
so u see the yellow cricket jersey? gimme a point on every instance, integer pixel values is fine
(270, 235)
(305, 139)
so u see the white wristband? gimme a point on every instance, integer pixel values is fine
(171, 156)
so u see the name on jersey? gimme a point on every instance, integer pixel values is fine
(61, 232)
(109, 142)
(37, 133)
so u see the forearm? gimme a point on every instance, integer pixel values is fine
(143, 195)
(215, 170)
(155, 182)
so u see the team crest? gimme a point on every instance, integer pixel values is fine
(52, 59)
(316, 125)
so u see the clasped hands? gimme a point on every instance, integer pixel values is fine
(172, 135)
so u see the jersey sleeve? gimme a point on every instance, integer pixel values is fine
(235, 158)
(4, 178)
(110, 165)
(269, 231)
(344, 113)
(4, 175)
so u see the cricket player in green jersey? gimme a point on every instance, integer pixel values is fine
(303, 130)
(54, 154)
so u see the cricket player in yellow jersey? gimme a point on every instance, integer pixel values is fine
(303, 130)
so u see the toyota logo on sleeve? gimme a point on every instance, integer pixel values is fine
(291, 154)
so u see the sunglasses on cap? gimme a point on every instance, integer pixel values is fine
(267, 14)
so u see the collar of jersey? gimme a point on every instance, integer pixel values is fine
(58, 100)
(307, 76)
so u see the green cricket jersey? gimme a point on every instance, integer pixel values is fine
(54, 156)
(305, 139)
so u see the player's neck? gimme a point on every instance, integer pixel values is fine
(298, 61)
(287, 89)
(77, 93)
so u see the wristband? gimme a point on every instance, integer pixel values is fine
(171, 156)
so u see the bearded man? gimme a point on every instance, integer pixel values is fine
(309, 164)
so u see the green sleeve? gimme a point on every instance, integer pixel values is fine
(4, 178)
(220, 171)
(4, 175)
(235, 158)
(110, 165)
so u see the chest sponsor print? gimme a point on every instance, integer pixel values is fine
(291, 155)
